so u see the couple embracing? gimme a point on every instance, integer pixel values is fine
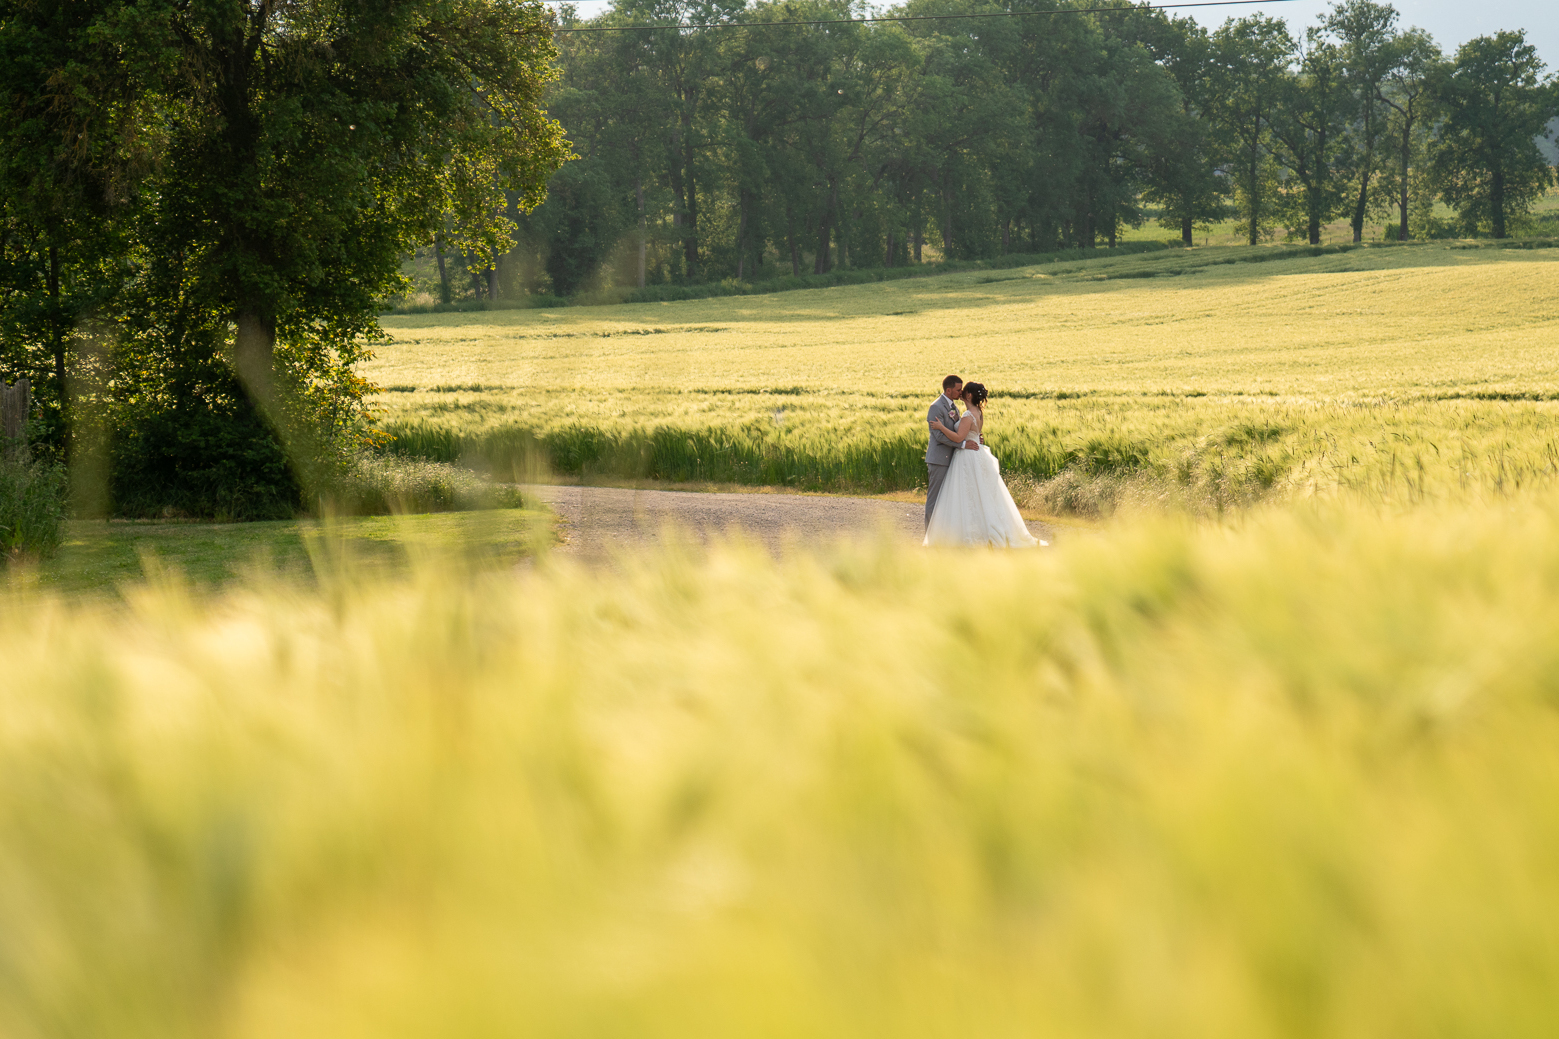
(966, 501)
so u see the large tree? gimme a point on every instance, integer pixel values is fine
(1366, 32)
(1248, 74)
(1407, 92)
(312, 142)
(1182, 173)
(1496, 102)
(296, 150)
(1310, 133)
(72, 142)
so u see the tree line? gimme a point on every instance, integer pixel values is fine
(781, 140)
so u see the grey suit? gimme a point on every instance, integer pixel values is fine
(939, 450)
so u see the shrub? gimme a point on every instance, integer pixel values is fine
(375, 485)
(32, 507)
(207, 455)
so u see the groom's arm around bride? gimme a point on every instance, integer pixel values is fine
(939, 446)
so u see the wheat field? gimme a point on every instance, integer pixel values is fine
(1292, 776)
(1400, 371)
(1286, 773)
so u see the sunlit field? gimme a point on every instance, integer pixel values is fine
(1283, 772)
(1401, 372)
(1291, 776)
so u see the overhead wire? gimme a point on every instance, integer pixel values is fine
(911, 17)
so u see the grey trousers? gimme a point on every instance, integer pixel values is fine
(935, 474)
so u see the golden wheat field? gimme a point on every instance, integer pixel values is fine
(1399, 371)
(1291, 776)
(1287, 772)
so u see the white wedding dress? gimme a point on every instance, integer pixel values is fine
(975, 507)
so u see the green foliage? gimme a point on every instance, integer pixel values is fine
(200, 451)
(1496, 103)
(756, 150)
(1310, 135)
(581, 226)
(32, 507)
(1248, 80)
(110, 560)
(274, 165)
(375, 486)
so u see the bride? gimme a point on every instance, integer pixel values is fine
(975, 507)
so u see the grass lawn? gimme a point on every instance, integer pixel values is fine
(100, 556)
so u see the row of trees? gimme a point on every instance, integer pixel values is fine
(203, 203)
(781, 140)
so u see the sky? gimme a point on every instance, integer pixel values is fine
(1450, 22)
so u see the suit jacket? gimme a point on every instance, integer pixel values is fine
(939, 451)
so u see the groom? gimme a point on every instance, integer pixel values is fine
(939, 452)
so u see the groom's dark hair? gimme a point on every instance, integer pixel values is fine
(951, 381)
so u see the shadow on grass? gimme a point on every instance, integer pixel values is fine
(99, 557)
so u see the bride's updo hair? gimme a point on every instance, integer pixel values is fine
(975, 392)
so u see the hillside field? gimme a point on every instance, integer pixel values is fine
(1396, 371)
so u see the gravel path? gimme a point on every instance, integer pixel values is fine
(597, 520)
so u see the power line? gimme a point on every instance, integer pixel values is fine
(913, 17)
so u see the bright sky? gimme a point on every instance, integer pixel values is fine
(1451, 22)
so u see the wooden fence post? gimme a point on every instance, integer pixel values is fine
(15, 405)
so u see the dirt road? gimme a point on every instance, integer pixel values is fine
(597, 520)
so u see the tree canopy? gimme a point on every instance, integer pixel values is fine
(217, 194)
(754, 149)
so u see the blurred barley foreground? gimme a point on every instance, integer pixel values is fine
(1290, 775)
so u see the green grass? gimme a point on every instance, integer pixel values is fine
(101, 557)
(784, 283)
(1215, 376)
(1543, 220)
(1287, 777)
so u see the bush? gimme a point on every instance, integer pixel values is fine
(208, 456)
(376, 485)
(32, 507)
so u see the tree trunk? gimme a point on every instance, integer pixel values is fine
(790, 240)
(638, 191)
(492, 282)
(887, 256)
(1006, 236)
(1407, 150)
(254, 357)
(824, 260)
(1255, 191)
(1497, 200)
(1186, 237)
(444, 293)
(741, 235)
(919, 241)
(1364, 195)
(1312, 210)
(947, 220)
(56, 325)
(679, 190)
(690, 228)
